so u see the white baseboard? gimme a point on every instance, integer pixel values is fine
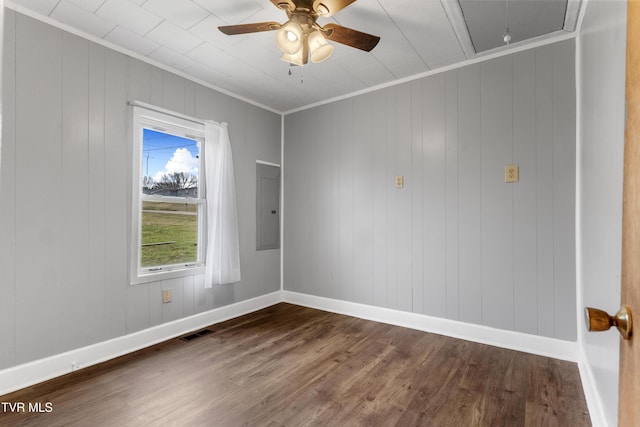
(28, 374)
(543, 346)
(591, 394)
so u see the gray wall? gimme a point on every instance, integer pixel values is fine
(601, 67)
(65, 189)
(456, 242)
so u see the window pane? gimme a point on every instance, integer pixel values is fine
(170, 164)
(169, 234)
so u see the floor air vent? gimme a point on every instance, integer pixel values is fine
(195, 335)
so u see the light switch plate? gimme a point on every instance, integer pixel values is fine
(511, 173)
(166, 296)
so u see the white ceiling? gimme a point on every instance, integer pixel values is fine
(416, 36)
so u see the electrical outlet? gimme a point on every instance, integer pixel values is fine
(166, 296)
(511, 173)
(399, 181)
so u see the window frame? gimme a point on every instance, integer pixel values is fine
(178, 125)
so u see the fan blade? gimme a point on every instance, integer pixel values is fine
(249, 28)
(353, 38)
(331, 6)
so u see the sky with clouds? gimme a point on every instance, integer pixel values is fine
(163, 153)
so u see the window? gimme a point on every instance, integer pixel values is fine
(168, 196)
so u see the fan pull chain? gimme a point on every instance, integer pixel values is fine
(507, 34)
(301, 73)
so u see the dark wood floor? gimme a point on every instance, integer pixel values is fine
(294, 366)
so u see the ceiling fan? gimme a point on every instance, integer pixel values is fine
(302, 37)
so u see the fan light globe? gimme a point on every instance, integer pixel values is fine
(293, 58)
(318, 46)
(289, 38)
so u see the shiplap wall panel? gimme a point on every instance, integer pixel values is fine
(245, 201)
(391, 226)
(362, 200)
(524, 193)
(295, 263)
(564, 173)
(451, 191)
(173, 310)
(189, 98)
(97, 183)
(138, 298)
(75, 191)
(188, 306)
(202, 299)
(173, 92)
(334, 162)
(155, 309)
(224, 295)
(545, 111)
(470, 195)
(70, 210)
(403, 198)
(7, 208)
(117, 194)
(380, 202)
(497, 209)
(419, 169)
(138, 306)
(156, 95)
(343, 134)
(38, 164)
(269, 149)
(434, 197)
(205, 105)
(456, 241)
(319, 272)
(139, 81)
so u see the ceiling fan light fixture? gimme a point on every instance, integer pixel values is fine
(289, 38)
(321, 9)
(286, 5)
(294, 58)
(318, 47)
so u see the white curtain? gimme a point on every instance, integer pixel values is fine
(223, 246)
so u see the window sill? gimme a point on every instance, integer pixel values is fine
(157, 276)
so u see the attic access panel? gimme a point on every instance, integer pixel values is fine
(527, 19)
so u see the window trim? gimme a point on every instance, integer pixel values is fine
(144, 116)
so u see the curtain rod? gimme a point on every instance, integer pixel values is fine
(135, 103)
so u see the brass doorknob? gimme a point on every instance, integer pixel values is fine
(598, 320)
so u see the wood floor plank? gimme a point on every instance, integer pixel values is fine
(293, 366)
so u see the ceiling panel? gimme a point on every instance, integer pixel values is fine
(427, 28)
(82, 19)
(42, 7)
(211, 56)
(205, 73)
(416, 36)
(129, 15)
(89, 5)
(171, 58)
(174, 37)
(234, 11)
(131, 41)
(183, 13)
(207, 30)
